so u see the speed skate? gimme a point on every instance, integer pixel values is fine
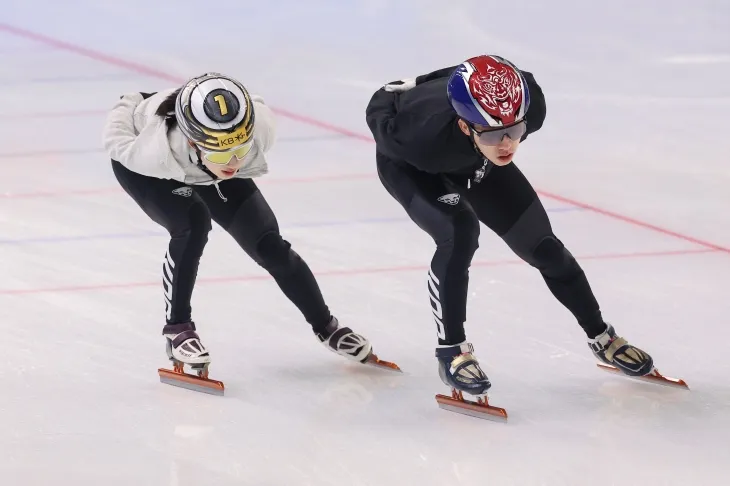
(616, 355)
(345, 342)
(460, 370)
(183, 347)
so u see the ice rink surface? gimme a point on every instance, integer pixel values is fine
(632, 164)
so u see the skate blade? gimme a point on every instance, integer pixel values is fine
(483, 410)
(373, 360)
(191, 382)
(653, 377)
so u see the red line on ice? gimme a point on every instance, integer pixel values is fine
(338, 273)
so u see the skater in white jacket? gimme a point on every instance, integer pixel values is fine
(188, 155)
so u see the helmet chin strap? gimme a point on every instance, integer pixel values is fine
(475, 146)
(474, 143)
(472, 138)
(205, 169)
(199, 162)
(470, 134)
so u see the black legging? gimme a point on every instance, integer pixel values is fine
(186, 213)
(449, 211)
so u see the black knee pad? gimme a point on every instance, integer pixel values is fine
(552, 258)
(274, 253)
(549, 251)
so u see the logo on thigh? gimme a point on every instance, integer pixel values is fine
(452, 199)
(184, 191)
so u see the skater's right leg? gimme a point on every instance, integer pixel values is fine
(441, 213)
(177, 208)
(455, 230)
(242, 211)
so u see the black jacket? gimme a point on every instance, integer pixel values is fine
(419, 126)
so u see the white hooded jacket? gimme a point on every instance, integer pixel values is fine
(140, 140)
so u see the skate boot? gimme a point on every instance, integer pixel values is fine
(460, 370)
(617, 355)
(353, 346)
(617, 352)
(183, 348)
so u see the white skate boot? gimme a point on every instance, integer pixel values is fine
(353, 346)
(183, 347)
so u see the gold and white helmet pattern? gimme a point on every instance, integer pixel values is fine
(215, 112)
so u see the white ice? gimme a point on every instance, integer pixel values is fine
(638, 94)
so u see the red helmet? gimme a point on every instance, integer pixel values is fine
(489, 91)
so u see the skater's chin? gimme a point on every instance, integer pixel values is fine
(503, 159)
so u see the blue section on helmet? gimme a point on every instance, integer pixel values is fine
(460, 98)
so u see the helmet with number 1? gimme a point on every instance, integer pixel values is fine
(488, 91)
(215, 112)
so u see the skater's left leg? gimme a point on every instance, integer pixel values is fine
(507, 203)
(248, 218)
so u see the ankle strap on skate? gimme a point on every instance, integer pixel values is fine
(596, 346)
(178, 328)
(334, 338)
(184, 336)
(455, 350)
(602, 342)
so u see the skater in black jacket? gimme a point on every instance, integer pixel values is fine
(445, 144)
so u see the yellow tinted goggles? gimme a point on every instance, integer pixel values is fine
(223, 158)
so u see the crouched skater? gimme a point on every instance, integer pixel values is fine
(445, 142)
(188, 155)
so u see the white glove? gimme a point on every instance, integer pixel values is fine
(400, 86)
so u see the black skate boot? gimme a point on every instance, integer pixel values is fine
(618, 356)
(616, 351)
(353, 346)
(460, 370)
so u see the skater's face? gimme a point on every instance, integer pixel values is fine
(225, 165)
(497, 145)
